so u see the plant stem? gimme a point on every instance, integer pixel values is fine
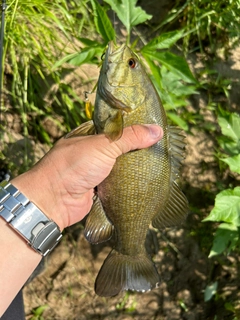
(1, 52)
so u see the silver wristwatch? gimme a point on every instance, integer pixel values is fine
(41, 233)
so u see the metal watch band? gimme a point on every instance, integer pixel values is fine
(41, 233)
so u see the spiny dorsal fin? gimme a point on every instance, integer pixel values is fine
(85, 129)
(97, 228)
(176, 207)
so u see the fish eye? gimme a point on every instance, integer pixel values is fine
(132, 63)
(102, 56)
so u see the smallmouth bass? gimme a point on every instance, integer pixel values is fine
(142, 186)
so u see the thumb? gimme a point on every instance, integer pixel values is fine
(138, 137)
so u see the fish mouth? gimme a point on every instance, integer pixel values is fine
(113, 49)
(114, 53)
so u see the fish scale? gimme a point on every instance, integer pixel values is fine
(142, 187)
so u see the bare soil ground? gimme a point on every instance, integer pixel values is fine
(66, 286)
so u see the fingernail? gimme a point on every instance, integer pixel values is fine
(155, 131)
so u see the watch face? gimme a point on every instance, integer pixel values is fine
(31, 223)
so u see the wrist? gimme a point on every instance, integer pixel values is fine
(41, 233)
(39, 191)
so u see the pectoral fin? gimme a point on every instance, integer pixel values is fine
(113, 127)
(85, 129)
(98, 228)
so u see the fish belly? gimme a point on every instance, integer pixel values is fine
(132, 194)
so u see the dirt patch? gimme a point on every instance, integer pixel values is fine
(66, 285)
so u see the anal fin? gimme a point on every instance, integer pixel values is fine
(97, 228)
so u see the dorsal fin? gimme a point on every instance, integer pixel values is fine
(175, 210)
(176, 206)
(177, 150)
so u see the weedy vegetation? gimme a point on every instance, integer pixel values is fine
(227, 202)
(173, 81)
(36, 34)
(46, 40)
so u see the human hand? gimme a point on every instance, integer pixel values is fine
(61, 183)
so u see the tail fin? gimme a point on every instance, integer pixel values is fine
(122, 272)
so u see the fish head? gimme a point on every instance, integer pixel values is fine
(122, 91)
(123, 76)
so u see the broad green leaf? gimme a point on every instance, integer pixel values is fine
(229, 146)
(227, 207)
(155, 72)
(165, 97)
(156, 79)
(173, 84)
(90, 43)
(230, 126)
(174, 102)
(172, 62)
(65, 59)
(210, 291)
(85, 56)
(225, 238)
(169, 101)
(233, 162)
(102, 22)
(164, 41)
(172, 91)
(129, 13)
(230, 307)
(177, 120)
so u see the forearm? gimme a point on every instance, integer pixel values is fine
(17, 263)
(18, 259)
